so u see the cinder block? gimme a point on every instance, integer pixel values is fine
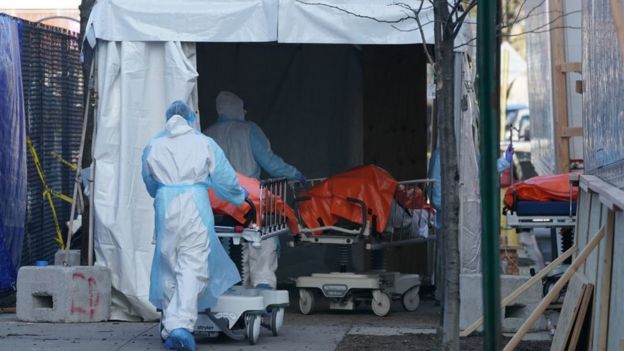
(72, 260)
(512, 316)
(63, 294)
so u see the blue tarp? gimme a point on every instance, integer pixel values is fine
(12, 154)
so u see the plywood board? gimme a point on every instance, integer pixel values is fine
(603, 284)
(580, 332)
(616, 320)
(571, 304)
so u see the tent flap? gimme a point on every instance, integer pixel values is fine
(184, 20)
(354, 22)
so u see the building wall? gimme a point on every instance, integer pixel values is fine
(603, 99)
(540, 73)
(540, 89)
(36, 15)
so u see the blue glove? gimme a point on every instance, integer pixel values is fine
(302, 179)
(509, 153)
(245, 193)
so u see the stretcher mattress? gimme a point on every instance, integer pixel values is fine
(544, 208)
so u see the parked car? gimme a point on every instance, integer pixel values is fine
(518, 122)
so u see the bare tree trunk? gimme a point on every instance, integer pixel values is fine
(444, 47)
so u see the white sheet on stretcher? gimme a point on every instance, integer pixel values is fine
(417, 220)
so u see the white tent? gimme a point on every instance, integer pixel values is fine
(146, 57)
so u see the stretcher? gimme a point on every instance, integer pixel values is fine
(241, 312)
(362, 205)
(381, 212)
(544, 202)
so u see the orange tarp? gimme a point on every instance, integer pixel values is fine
(252, 186)
(542, 188)
(329, 199)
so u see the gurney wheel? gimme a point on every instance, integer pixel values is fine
(306, 301)
(381, 303)
(277, 320)
(411, 299)
(252, 328)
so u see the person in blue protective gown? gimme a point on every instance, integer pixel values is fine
(190, 269)
(249, 151)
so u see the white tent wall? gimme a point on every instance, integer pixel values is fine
(135, 81)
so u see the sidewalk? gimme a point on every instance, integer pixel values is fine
(323, 331)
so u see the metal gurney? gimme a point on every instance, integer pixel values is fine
(367, 205)
(241, 311)
(364, 204)
(548, 201)
(544, 202)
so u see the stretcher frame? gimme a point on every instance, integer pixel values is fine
(241, 312)
(273, 222)
(552, 222)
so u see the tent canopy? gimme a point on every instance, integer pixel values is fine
(288, 21)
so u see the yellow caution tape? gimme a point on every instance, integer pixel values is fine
(48, 193)
(64, 161)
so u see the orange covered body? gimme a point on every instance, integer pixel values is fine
(542, 188)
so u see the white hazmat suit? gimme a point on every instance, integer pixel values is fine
(190, 269)
(249, 151)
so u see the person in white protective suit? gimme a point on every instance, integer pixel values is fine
(190, 269)
(249, 151)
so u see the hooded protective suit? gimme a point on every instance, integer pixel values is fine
(190, 269)
(249, 151)
(244, 143)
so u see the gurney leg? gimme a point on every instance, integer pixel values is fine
(553, 244)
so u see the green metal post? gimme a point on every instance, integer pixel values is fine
(489, 106)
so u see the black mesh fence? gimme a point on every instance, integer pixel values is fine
(53, 98)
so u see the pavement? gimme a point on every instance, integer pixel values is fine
(320, 331)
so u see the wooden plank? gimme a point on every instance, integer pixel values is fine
(616, 320)
(571, 304)
(554, 293)
(591, 266)
(581, 232)
(605, 289)
(611, 196)
(559, 91)
(599, 268)
(576, 67)
(618, 20)
(578, 339)
(524, 287)
(570, 132)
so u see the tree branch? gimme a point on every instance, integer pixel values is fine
(400, 20)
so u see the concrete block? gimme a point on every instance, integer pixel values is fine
(63, 294)
(512, 316)
(72, 260)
